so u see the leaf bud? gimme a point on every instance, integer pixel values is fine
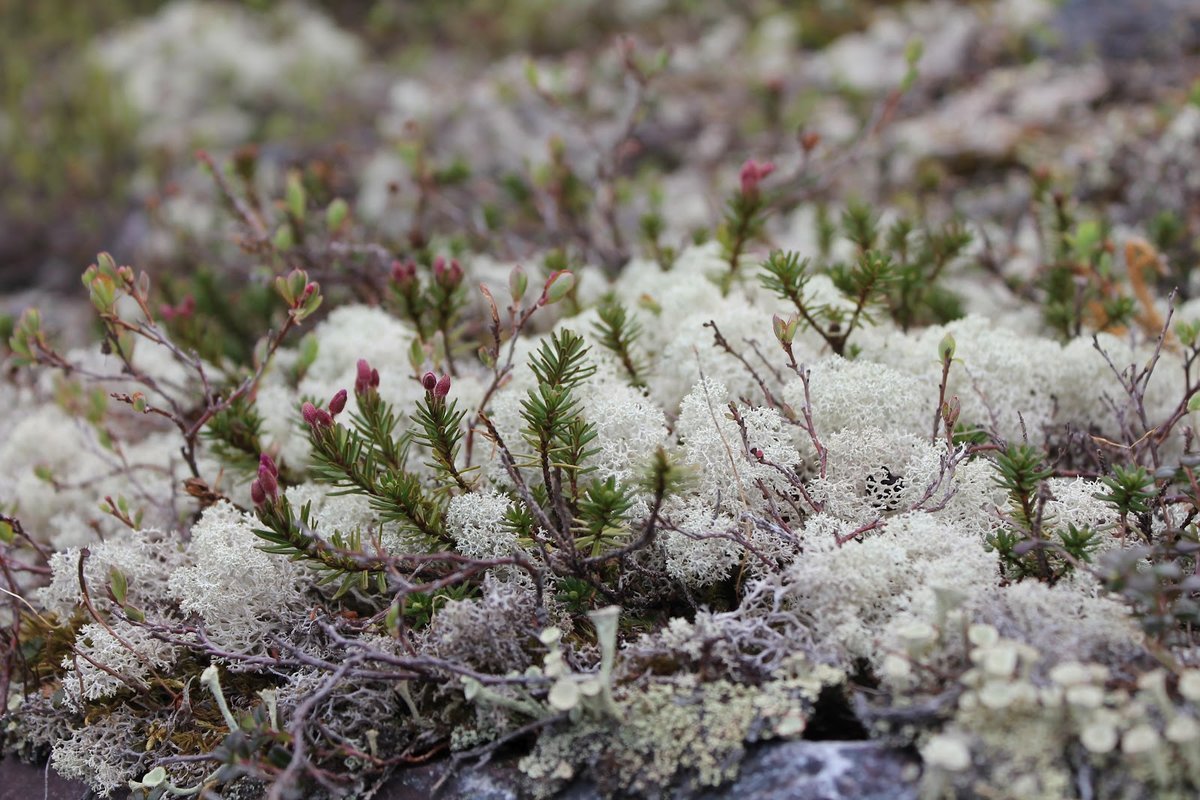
(785, 329)
(295, 196)
(336, 214)
(518, 282)
(558, 285)
(946, 348)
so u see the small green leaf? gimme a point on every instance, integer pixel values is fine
(295, 196)
(336, 214)
(118, 585)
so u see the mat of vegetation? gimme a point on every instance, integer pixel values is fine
(472, 384)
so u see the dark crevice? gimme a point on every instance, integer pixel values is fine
(833, 719)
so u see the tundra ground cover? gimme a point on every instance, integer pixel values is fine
(490, 438)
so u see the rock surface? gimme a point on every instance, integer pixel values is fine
(797, 770)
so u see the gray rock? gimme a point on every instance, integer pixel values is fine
(1129, 30)
(795, 770)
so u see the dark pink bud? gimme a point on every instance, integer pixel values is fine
(167, 311)
(442, 388)
(265, 462)
(429, 381)
(752, 174)
(446, 275)
(187, 307)
(257, 494)
(338, 402)
(404, 275)
(374, 379)
(362, 383)
(267, 482)
(316, 417)
(309, 412)
(309, 288)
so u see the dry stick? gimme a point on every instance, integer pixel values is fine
(720, 341)
(787, 474)
(1135, 383)
(286, 779)
(499, 373)
(87, 602)
(809, 426)
(941, 402)
(608, 167)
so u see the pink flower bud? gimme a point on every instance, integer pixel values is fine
(448, 276)
(257, 494)
(429, 381)
(404, 275)
(265, 462)
(752, 174)
(442, 388)
(366, 378)
(338, 402)
(316, 417)
(267, 482)
(309, 288)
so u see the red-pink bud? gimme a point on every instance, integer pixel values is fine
(265, 462)
(429, 381)
(752, 174)
(309, 412)
(442, 388)
(448, 276)
(363, 380)
(316, 417)
(257, 494)
(309, 288)
(267, 482)
(404, 275)
(186, 307)
(338, 402)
